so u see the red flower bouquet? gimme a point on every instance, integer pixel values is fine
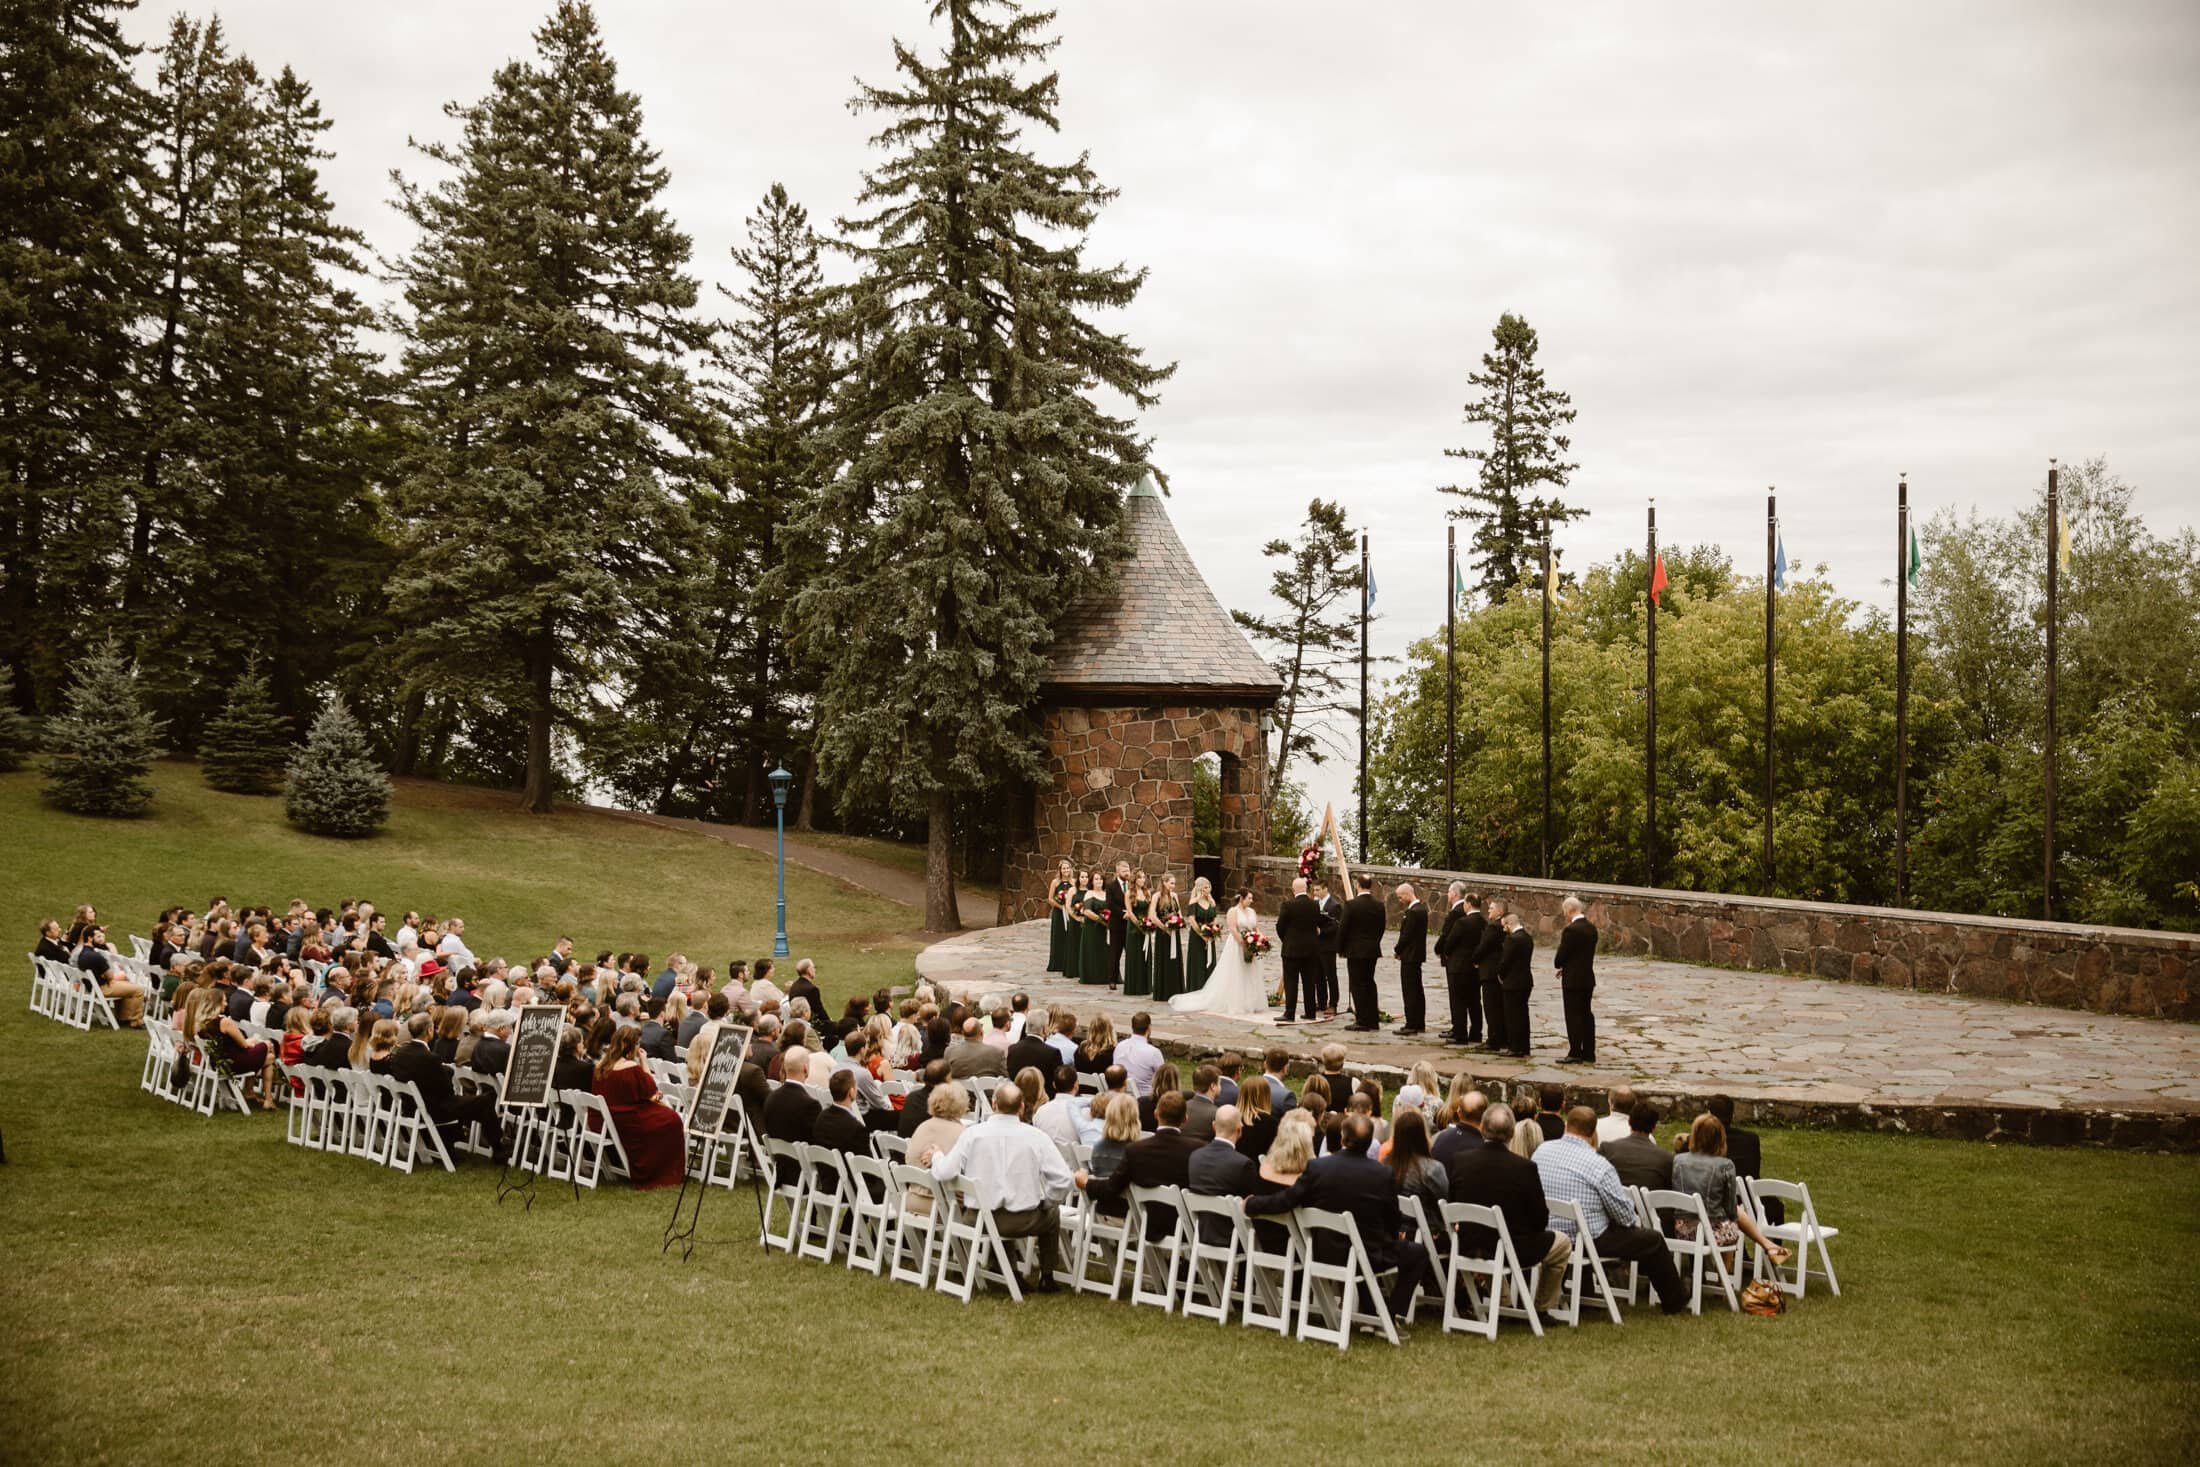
(1173, 921)
(1309, 858)
(1211, 931)
(1255, 942)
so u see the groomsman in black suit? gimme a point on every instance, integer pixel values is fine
(1576, 963)
(1489, 959)
(1516, 975)
(1332, 927)
(1411, 949)
(1360, 937)
(1298, 943)
(1455, 949)
(1117, 894)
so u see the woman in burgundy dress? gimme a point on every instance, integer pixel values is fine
(652, 1133)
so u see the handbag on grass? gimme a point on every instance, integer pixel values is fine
(1762, 1298)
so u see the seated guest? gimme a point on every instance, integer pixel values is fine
(1707, 1171)
(1219, 1169)
(1351, 1181)
(477, 1024)
(450, 1027)
(969, 1056)
(691, 1024)
(1527, 1136)
(996, 1033)
(804, 987)
(297, 1026)
(1277, 1066)
(1637, 1157)
(1550, 1116)
(1571, 1171)
(494, 1049)
(1064, 1037)
(1160, 1160)
(764, 1043)
(916, 1108)
(1494, 1175)
(650, 1130)
(938, 1036)
(572, 1069)
(1230, 1067)
(1416, 1172)
(404, 1058)
(224, 1043)
(791, 1113)
(937, 1133)
(1161, 1081)
(95, 958)
(169, 943)
(1138, 1054)
(339, 1026)
(1032, 1051)
(663, 1027)
(661, 988)
(1257, 1118)
(839, 1126)
(1745, 1151)
(1420, 1092)
(258, 1002)
(715, 1017)
(1098, 1050)
(1068, 1117)
(1283, 1163)
(1463, 1132)
(906, 1040)
(1034, 1085)
(1614, 1124)
(1118, 1130)
(50, 946)
(1016, 1175)
(762, 990)
(1332, 1074)
(1200, 1106)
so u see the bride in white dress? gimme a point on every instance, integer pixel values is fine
(1238, 987)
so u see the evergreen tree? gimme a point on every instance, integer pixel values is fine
(103, 741)
(245, 745)
(333, 786)
(1527, 451)
(1316, 637)
(16, 735)
(980, 486)
(546, 367)
(72, 259)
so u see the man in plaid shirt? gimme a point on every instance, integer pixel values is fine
(1573, 1172)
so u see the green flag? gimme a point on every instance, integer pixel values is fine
(1916, 560)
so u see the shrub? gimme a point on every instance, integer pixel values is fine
(246, 743)
(333, 785)
(102, 746)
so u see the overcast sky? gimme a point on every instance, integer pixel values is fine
(1805, 246)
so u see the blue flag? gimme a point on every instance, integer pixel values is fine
(1371, 586)
(1779, 562)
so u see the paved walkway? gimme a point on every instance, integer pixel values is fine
(892, 882)
(1760, 1036)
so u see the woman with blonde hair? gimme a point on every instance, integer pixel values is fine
(1098, 1050)
(1118, 1129)
(1200, 913)
(1034, 1086)
(1527, 1136)
(937, 1133)
(1257, 1115)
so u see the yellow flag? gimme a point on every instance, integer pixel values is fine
(2062, 540)
(1550, 576)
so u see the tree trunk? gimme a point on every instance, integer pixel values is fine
(405, 758)
(807, 819)
(939, 867)
(759, 713)
(535, 798)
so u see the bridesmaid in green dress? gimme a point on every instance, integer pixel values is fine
(1168, 942)
(1092, 944)
(1138, 942)
(1060, 955)
(1199, 953)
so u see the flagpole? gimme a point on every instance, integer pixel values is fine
(1546, 697)
(1772, 532)
(1451, 697)
(1650, 738)
(2054, 548)
(1902, 692)
(1363, 698)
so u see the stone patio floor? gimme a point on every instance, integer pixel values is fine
(1760, 1036)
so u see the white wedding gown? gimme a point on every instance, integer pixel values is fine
(1238, 987)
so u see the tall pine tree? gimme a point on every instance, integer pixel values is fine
(547, 370)
(245, 744)
(1526, 456)
(332, 785)
(980, 484)
(72, 259)
(1316, 635)
(102, 744)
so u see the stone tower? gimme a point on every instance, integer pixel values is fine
(1150, 674)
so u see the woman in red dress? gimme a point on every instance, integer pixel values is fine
(652, 1133)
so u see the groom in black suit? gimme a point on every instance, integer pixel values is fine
(1117, 895)
(1332, 911)
(1455, 949)
(1412, 948)
(1298, 940)
(1360, 939)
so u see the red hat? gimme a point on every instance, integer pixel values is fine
(430, 968)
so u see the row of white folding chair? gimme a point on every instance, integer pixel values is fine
(140, 947)
(359, 1113)
(572, 1139)
(68, 995)
(1801, 1232)
(142, 973)
(182, 1074)
(722, 1160)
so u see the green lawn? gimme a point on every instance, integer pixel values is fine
(182, 1289)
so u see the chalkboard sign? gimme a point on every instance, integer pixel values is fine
(527, 1074)
(714, 1097)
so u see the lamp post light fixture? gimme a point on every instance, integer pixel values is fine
(782, 781)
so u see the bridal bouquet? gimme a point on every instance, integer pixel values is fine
(1173, 921)
(1256, 942)
(1211, 931)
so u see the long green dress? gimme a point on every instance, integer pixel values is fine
(1137, 954)
(1061, 950)
(1199, 954)
(1168, 954)
(1092, 941)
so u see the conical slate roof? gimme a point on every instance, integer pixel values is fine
(1157, 627)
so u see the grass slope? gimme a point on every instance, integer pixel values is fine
(183, 1289)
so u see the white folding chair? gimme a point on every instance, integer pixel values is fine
(785, 1176)
(160, 1060)
(1584, 1270)
(872, 1202)
(1497, 1286)
(1210, 1276)
(975, 1254)
(297, 1113)
(596, 1147)
(413, 1131)
(1104, 1239)
(917, 1232)
(141, 948)
(1267, 1298)
(1802, 1232)
(1437, 1242)
(824, 1202)
(1692, 1256)
(91, 1006)
(1346, 1276)
(889, 1147)
(1157, 1252)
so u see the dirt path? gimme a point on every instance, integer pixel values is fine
(890, 882)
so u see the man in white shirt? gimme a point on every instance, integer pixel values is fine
(1613, 1124)
(1068, 1117)
(408, 931)
(1016, 1173)
(1064, 1037)
(1138, 1055)
(453, 945)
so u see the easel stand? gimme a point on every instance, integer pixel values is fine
(675, 1232)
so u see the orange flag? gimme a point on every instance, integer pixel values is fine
(1657, 581)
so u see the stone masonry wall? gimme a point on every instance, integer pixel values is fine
(1121, 789)
(2109, 970)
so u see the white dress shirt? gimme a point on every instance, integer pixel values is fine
(1068, 1119)
(1064, 1046)
(1011, 1166)
(1139, 1057)
(1611, 1126)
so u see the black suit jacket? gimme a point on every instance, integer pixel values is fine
(1640, 1161)
(1360, 935)
(804, 988)
(1746, 1151)
(1298, 927)
(1119, 909)
(1515, 970)
(1489, 951)
(1332, 924)
(1453, 1142)
(1163, 1159)
(1034, 1053)
(1464, 958)
(840, 1129)
(1199, 1116)
(1491, 1176)
(1576, 959)
(489, 1056)
(1219, 1169)
(413, 1062)
(1348, 1182)
(332, 1052)
(791, 1115)
(1412, 934)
